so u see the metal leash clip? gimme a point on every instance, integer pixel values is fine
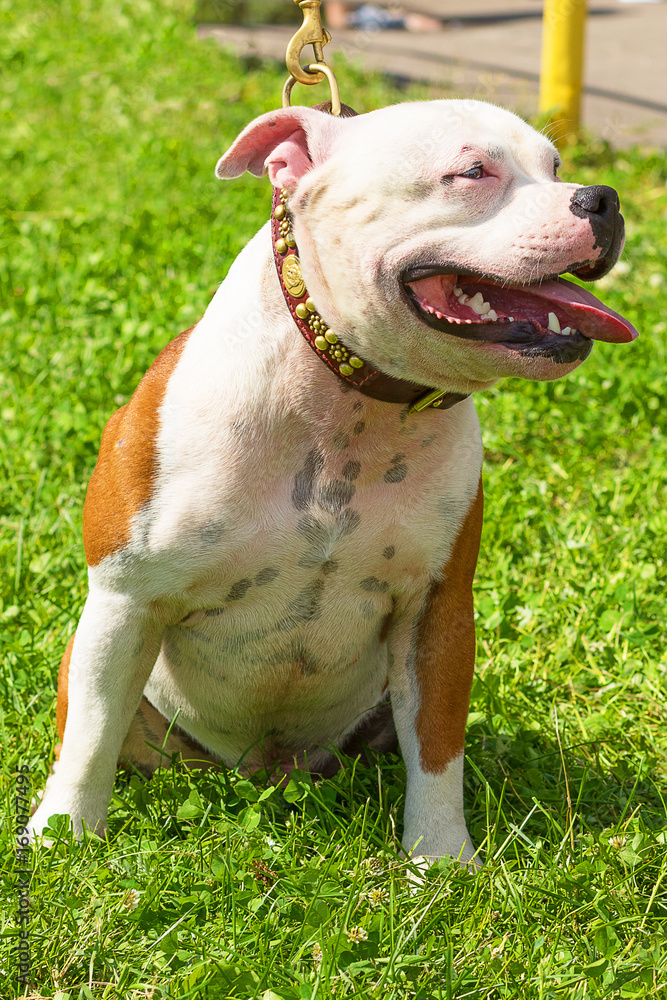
(312, 33)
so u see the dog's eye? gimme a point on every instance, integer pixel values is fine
(475, 173)
(557, 164)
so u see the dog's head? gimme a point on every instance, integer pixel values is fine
(432, 238)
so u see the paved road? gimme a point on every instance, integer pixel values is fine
(490, 49)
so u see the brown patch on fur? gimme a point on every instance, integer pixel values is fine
(446, 650)
(150, 726)
(61, 698)
(125, 472)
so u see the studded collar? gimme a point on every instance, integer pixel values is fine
(345, 364)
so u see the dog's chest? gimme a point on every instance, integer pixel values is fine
(335, 525)
(293, 537)
(305, 555)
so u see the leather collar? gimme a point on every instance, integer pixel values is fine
(341, 360)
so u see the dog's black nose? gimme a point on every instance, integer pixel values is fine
(600, 205)
(597, 202)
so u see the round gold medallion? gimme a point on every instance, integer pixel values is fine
(292, 277)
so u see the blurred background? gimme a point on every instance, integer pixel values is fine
(487, 49)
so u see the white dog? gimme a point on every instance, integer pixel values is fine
(283, 524)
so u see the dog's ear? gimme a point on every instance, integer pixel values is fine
(288, 143)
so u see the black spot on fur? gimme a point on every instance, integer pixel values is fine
(305, 606)
(396, 475)
(451, 510)
(351, 470)
(389, 552)
(330, 566)
(359, 428)
(358, 405)
(210, 532)
(335, 495)
(309, 666)
(321, 537)
(341, 441)
(372, 584)
(428, 440)
(238, 590)
(404, 413)
(266, 575)
(237, 643)
(398, 457)
(304, 481)
(348, 521)
(214, 612)
(313, 529)
(148, 732)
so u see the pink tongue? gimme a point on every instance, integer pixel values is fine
(586, 312)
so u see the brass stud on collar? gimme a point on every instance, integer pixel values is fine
(326, 340)
(292, 277)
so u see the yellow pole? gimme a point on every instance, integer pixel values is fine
(562, 63)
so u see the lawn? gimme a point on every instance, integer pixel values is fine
(114, 235)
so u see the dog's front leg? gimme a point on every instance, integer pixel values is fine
(116, 645)
(432, 655)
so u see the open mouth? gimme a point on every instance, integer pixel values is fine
(553, 318)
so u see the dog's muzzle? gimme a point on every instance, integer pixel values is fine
(601, 206)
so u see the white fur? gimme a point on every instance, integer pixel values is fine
(247, 404)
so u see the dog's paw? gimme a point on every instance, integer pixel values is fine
(420, 863)
(79, 822)
(425, 852)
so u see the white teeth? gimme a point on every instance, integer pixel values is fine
(511, 319)
(566, 332)
(554, 325)
(476, 303)
(492, 314)
(438, 314)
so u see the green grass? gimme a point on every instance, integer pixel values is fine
(114, 235)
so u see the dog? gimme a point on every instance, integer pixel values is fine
(283, 523)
